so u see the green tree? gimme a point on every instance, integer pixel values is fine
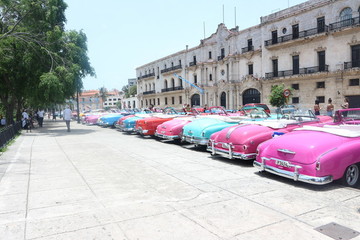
(277, 98)
(40, 63)
(132, 90)
(125, 89)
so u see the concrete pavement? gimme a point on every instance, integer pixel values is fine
(97, 183)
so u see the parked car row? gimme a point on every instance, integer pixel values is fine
(293, 144)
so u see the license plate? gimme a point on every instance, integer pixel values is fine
(162, 131)
(282, 163)
(225, 145)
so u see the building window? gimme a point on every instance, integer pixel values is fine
(210, 77)
(146, 102)
(172, 100)
(295, 100)
(195, 79)
(210, 57)
(165, 100)
(321, 59)
(222, 53)
(321, 99)
(296, 66)
(320, 84)
(109, 99)
(250, 45)
(251, 69)
(158, 101)
(105, 104)
(295, 86)
(346, 14)
(194, 59)
(355, 56)
(295, 31)
(354, 82)
(321, 24)
(275, 67)
(180, 99)
(274, 38)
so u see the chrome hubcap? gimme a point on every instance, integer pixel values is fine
(352, 174)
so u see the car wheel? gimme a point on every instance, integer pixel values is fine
(351, 176)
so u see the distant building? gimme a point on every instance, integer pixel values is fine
(113, 98)
(131, 82)
(90, 100)
(313, 48)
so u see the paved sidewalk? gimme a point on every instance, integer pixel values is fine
(97, 183)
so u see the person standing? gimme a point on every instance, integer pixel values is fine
(329, 108)
(346, 104)
(67, 117)
(317, 107)
(40, 115)
(25, 120)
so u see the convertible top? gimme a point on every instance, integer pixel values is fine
(339, 130)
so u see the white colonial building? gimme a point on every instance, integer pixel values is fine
(313, 48)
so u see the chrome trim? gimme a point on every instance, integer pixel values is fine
(195, 140)
(226, 153)
(291, 175)
(286, 151)
(167, 137)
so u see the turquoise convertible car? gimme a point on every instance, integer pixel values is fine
(199, 131)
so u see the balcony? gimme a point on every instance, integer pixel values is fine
(172, 89)
(173, 68)
(287, 73)
(146, 76)
(192, 63)
(344, 23)
(247, 49)
(349, 65)
(302, 34)
(149, 92)
(219, 58)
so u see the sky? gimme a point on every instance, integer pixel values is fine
(125, 34)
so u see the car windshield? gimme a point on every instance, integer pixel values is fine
(256, 112)
(299, 115)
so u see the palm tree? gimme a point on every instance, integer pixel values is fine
(103, 94)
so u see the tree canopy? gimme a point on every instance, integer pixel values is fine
(277, 98)
(40, 63)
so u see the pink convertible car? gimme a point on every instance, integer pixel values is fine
(316, 154)
(241, 141)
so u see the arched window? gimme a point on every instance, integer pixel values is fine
(153, 86)
(195, 100)
(172, 83)
(165, 84)
(346, 17)
(223, 99)
(251, 95)
(146, 88)
(180, 83)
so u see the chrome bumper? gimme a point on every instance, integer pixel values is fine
(167, 137)
(229, 153)
(195, 140)
(292, 175)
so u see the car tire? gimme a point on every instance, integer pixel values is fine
(351, 176)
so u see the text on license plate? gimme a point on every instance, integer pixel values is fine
(282, 163)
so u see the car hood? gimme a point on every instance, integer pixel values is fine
(240, 133)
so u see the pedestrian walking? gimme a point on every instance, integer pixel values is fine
(40, 115)
(329, 108)
(25, 120)
(67, 117)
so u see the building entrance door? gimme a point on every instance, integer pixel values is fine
(251, 96)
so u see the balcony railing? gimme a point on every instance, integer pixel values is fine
(192, 63)
(149, 92)
(220, 57)
(247, 49)
(171, 68)
(172, 89)
(301, 34)
(348, 65)
(309, 70)
(344, 23)
(147, 75)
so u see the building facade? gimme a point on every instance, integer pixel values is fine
(312, 48)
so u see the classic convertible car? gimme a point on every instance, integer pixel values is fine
(148, 125)
(316, 154)
(240, 141)
(172, 130)
(199, 131)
